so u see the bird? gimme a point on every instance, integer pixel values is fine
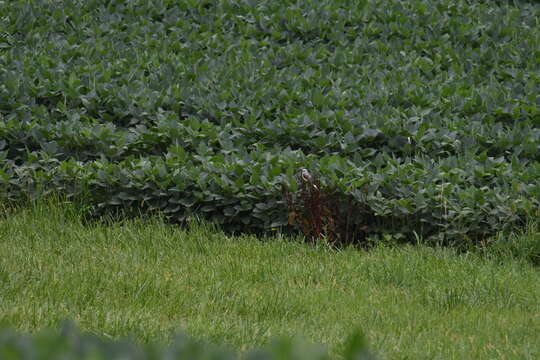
(306, 176)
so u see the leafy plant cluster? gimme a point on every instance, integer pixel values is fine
(424, 114)
(70, 343)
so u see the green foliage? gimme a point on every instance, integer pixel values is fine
(70, 343)
(424, 112)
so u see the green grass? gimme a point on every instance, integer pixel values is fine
(148, 279)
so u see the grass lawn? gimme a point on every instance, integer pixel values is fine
(147, 279)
